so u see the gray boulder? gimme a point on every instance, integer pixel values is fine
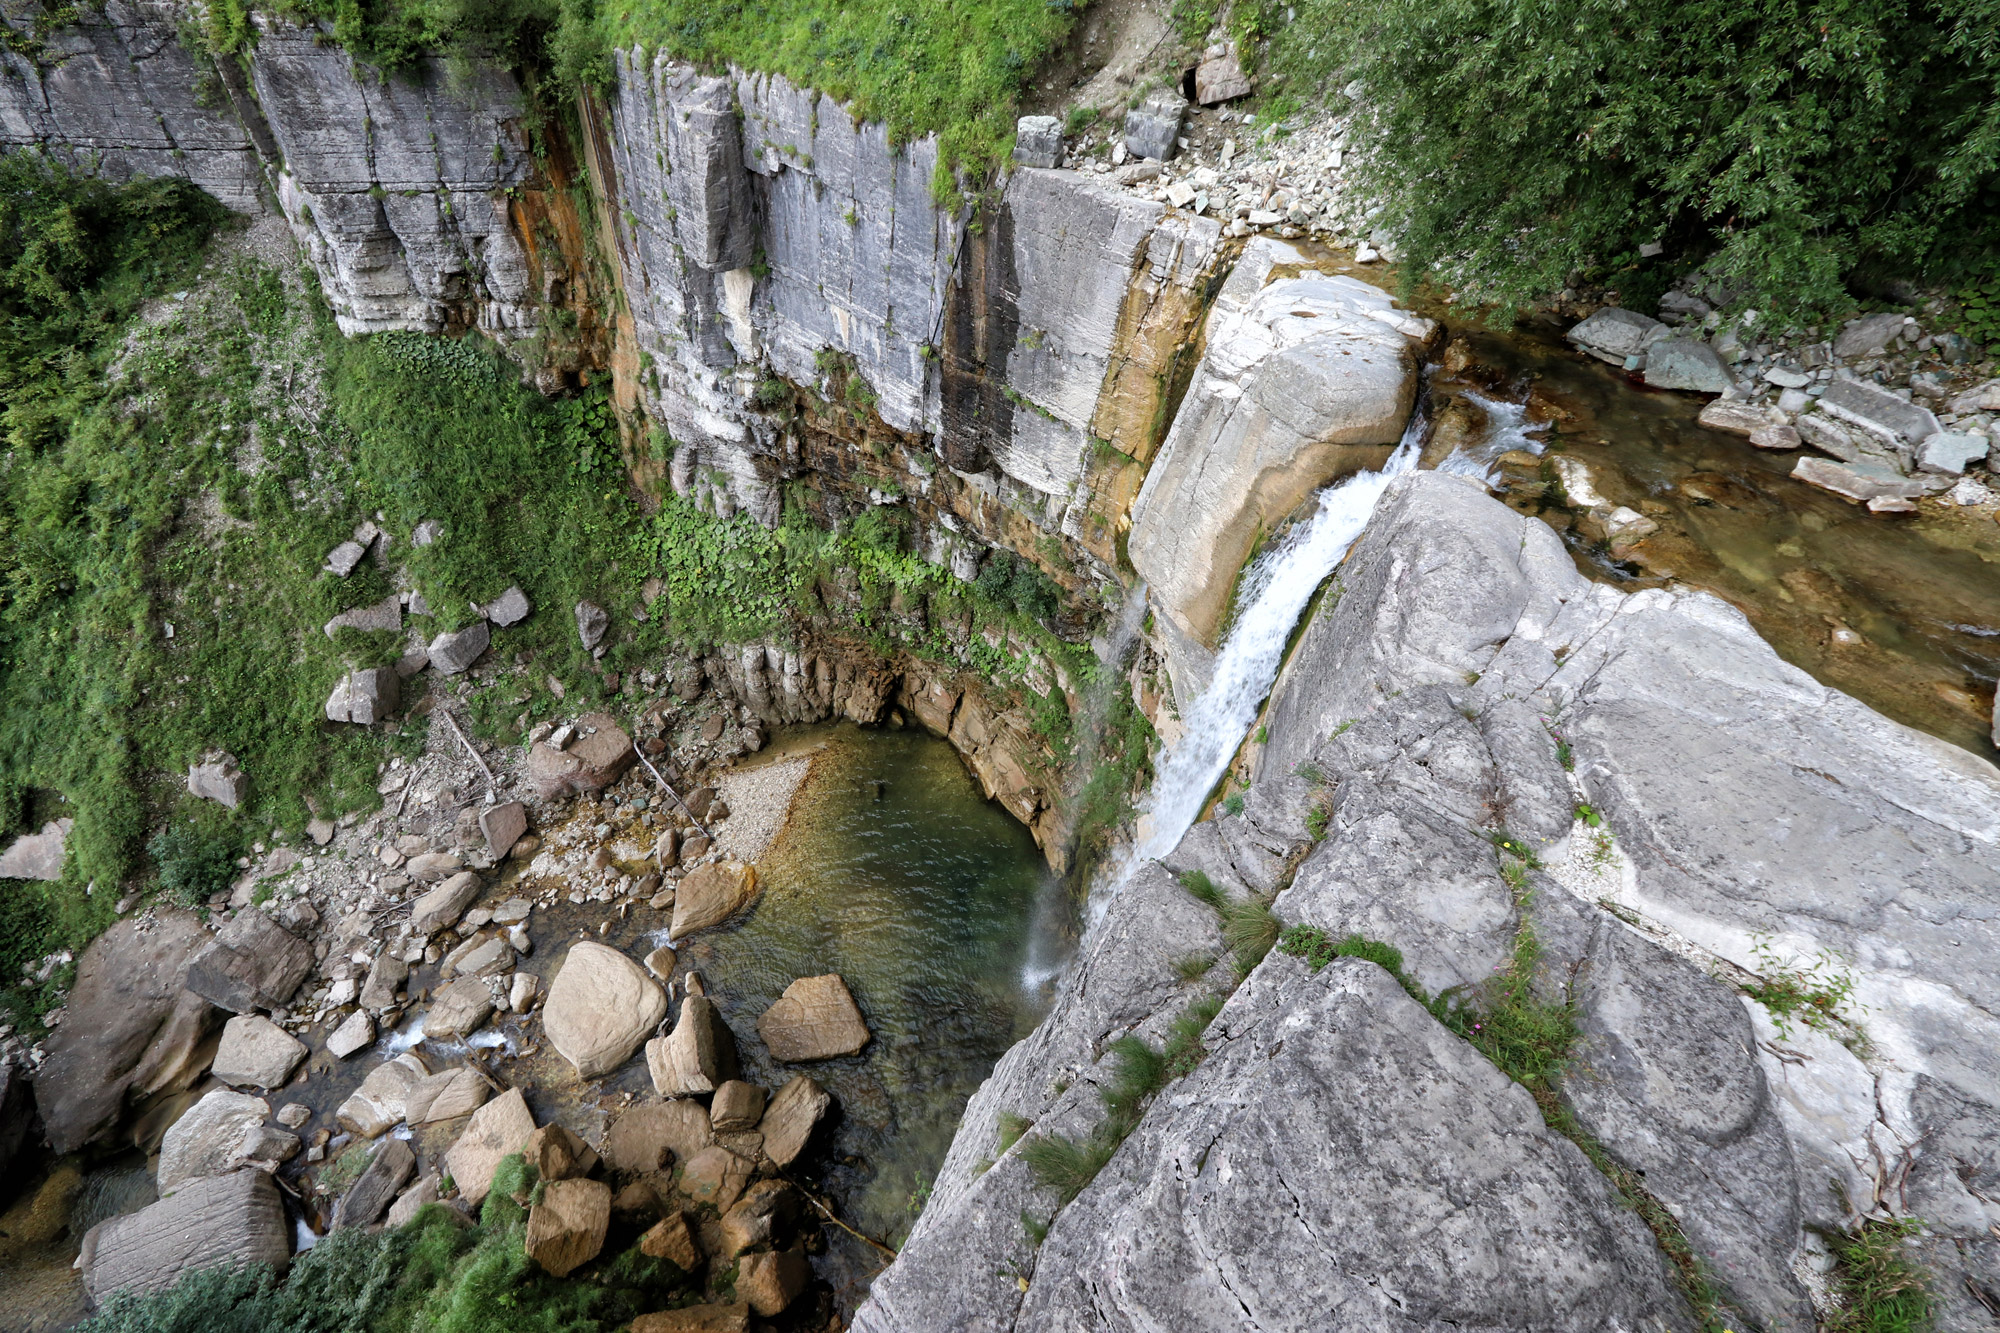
(253, 963)
(1615, 335)
(1153, 128)
(391, 1167)
(1868, 336)
(452, 653)
(386, 976)
(218, 779)
(1038, 141)
(386, 614)
(698, 1056)
(509, 608)
(255, 1052)
(218, 1134)
(1687, 364)
(502, 826)
(591, 622)
(37, 855)
(221, 1222)
(444, 905)
(1220, 78)
(1860, 480)
(355, 1033)
(366, 696)
(459, 1009)
(343, 559)
(1949, 453)
(1881, 413)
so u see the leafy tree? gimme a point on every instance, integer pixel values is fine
(1794, 144)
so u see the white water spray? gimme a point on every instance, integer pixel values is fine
(1507, 429)
(1275, 591)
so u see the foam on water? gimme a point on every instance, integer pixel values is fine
(1507, 429)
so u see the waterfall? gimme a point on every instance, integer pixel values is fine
(1273, 594)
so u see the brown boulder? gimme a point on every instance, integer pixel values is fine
(698, 1056)
(815, 1019)
(675, 1241)
(497, 1130)
(131, 1031)
(770, 1282)
(737, 1106)
(446, 1096)
(696, 1319)
(503, 826)
(789, 1120)
(598, 758)
(715, 1176)
(710, 895)
(388, 1171)
(444, 905)
(566, 1227)
(557, 1154)
(651, 1138)
(381, 1101)
(600, 1007)
(763, 1217)
(459, 1009)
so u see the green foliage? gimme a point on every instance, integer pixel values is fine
(1204, 890)
(193, 862)
(1232, 804)
(1250, 930)
(1316, 822)
(1589, 814)
(1011, 1128)
(1883, 1289)
(1036, 1229)
(1813, 993)
(1978, 299)
(1193, 966)
(1318, 948)
(1007, 580)
(1514, 847)
(1184, 1048)
(1519, 145)
(1064, 1165)
(434, 1275)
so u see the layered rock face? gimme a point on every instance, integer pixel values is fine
(763, 232)
(1340, 1160)
(396, 188)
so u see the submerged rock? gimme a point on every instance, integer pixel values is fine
(815, 1019)
(770, 1282)
(1616, 335)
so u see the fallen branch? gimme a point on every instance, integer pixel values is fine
(669, 789)
(827, 1212)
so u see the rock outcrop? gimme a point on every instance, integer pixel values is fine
(132, 1031)
(1280, 1179)
(37, 855)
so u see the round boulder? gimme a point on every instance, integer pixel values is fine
(601, 1006)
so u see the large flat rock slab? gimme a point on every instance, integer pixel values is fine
(221, 1221)
(601, 1006)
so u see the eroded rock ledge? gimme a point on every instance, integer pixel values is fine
(1339, 1159)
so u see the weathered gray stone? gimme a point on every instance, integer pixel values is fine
(597, 757)
(737, 1106)
(591, 622)
(444, 905)
(446, 1096)
(647, 1138)
(213, 1137)
(1038, 141)
(791, 1117)
(356, 1033)
(1859, 480)
(342, 559)
(253, 963)
(1153, 128)
(1220, 78)
(1950, 453)
(386, 614)
(391, 1167)
(1881, 413)
(698, 1056)
(218, 779)
(601, 1006)
(509, 608)
(221, 1222)
(1868, 336)
(1614, 334)
(386, 976)
(452, 653)
(367, 696)
(502, 825)
(255, 1052)
(459, 1010)
(37, 855)
(377, 1105)
(1688, 364)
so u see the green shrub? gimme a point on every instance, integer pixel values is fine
(1249, 929)
(192, 863)
(1517, 145)
(1883, 1289)
(1064, 1165)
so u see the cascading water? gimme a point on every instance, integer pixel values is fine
(1507, 429)
(1275, 591)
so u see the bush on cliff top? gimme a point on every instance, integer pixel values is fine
(1519, 144)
